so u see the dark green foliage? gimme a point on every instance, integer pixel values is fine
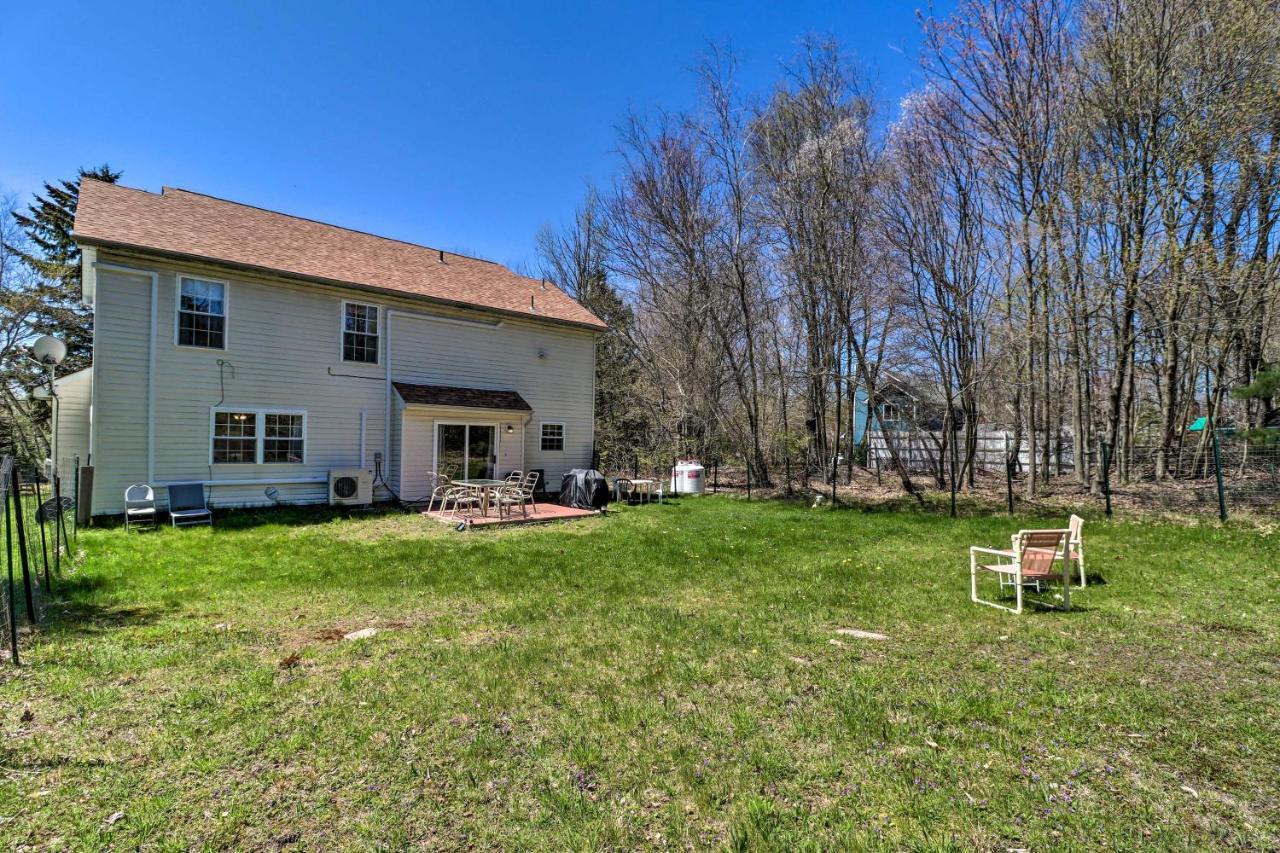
(53, 256)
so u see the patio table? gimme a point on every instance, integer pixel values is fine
(640, 486)
(482, 486)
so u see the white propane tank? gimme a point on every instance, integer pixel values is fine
(688, 478)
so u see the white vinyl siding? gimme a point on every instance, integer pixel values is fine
(558, 384)
(74, 413)
(281, 356)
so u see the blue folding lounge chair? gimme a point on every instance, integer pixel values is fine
(187, 506)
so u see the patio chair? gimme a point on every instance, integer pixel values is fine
(507, 498)
(441, 485)
(461, 497)
(529, 489)
(139, 506)
(1028, 564)
(187, 505)
(1075, 545)
(624, 490)
(515, 478)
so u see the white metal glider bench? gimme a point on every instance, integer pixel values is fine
(1030, 563)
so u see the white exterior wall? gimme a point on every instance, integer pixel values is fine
(419, 443)
(283, 352)
(74, 412)
(558, 385)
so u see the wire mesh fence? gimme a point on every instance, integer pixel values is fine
(1222, 473)
(39, 536)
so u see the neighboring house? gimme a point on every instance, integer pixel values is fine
(257, 351)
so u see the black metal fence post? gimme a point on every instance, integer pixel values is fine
(1008, 476)
(1106, 474)
(11, 604)
(23, 555)
(715, 477)
(59, 528)
(44, 543)
(748, 478)
(1217, 473)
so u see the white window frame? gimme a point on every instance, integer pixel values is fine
(435, 444)
(342, 331)
(541, 436)
(226, 311)
(260, 422)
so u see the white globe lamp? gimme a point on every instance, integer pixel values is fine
(49, 351)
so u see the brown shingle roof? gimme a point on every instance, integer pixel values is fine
(471, 398)
(185, 224)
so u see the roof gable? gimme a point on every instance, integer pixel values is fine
(186, 224)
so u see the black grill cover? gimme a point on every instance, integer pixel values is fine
(584, 489)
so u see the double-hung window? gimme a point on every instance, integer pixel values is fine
(553, 436)
(282, 437)
(258, 437)
(202, 313)
(235, 437)
(360, 332)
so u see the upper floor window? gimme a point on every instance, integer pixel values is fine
(202, 313)
(360, 332)
(553, 436)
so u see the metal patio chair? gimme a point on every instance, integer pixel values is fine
(139, 506)
(187, 505)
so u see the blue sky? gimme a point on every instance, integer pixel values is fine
(464, 126)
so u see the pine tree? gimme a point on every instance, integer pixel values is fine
(54, 258)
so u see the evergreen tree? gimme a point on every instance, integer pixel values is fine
(52, 255)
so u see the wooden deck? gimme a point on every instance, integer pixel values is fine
(546, 512)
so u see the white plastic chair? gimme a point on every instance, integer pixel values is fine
(139, 506)
(1028, 563)
(1075, 545)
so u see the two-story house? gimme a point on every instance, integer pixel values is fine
(256, 351)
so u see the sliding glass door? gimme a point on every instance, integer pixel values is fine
(471, 450)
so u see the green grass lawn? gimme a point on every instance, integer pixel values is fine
(663, 677)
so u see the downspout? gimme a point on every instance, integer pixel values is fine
(386, 417)
(364, 419)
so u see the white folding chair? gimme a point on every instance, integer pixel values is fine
(139, 506)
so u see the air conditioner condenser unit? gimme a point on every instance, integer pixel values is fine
(350, 487)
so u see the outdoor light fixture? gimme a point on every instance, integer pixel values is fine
(49, 351)
(510, 429)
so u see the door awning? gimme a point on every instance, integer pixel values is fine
(467, 398)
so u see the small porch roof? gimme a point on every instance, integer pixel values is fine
(468, 398)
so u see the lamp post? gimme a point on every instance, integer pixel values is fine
(51, 352)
